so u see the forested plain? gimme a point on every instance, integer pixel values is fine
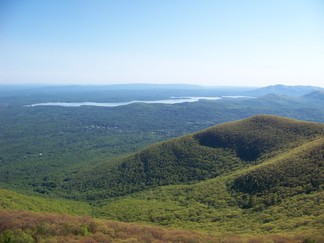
(259, 176)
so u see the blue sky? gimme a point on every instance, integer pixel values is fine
(210, 42)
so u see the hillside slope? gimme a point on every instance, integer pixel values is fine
(18, 201)
(192, 158)
(299, 171)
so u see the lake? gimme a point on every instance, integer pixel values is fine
(171, 101)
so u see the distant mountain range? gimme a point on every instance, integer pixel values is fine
(315, 95)
(284, 90)
(188, 89)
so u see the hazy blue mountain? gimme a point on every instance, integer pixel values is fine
(280, 89)
(317, 95)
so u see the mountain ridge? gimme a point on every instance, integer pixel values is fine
(218, 204)
(198, 156)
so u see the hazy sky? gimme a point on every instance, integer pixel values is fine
(211, 42)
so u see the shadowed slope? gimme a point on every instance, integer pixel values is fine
(298, 171)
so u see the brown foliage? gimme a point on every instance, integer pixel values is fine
(66, 228)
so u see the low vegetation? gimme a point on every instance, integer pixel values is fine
(21, 226)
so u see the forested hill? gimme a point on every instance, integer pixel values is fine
(207, 154)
